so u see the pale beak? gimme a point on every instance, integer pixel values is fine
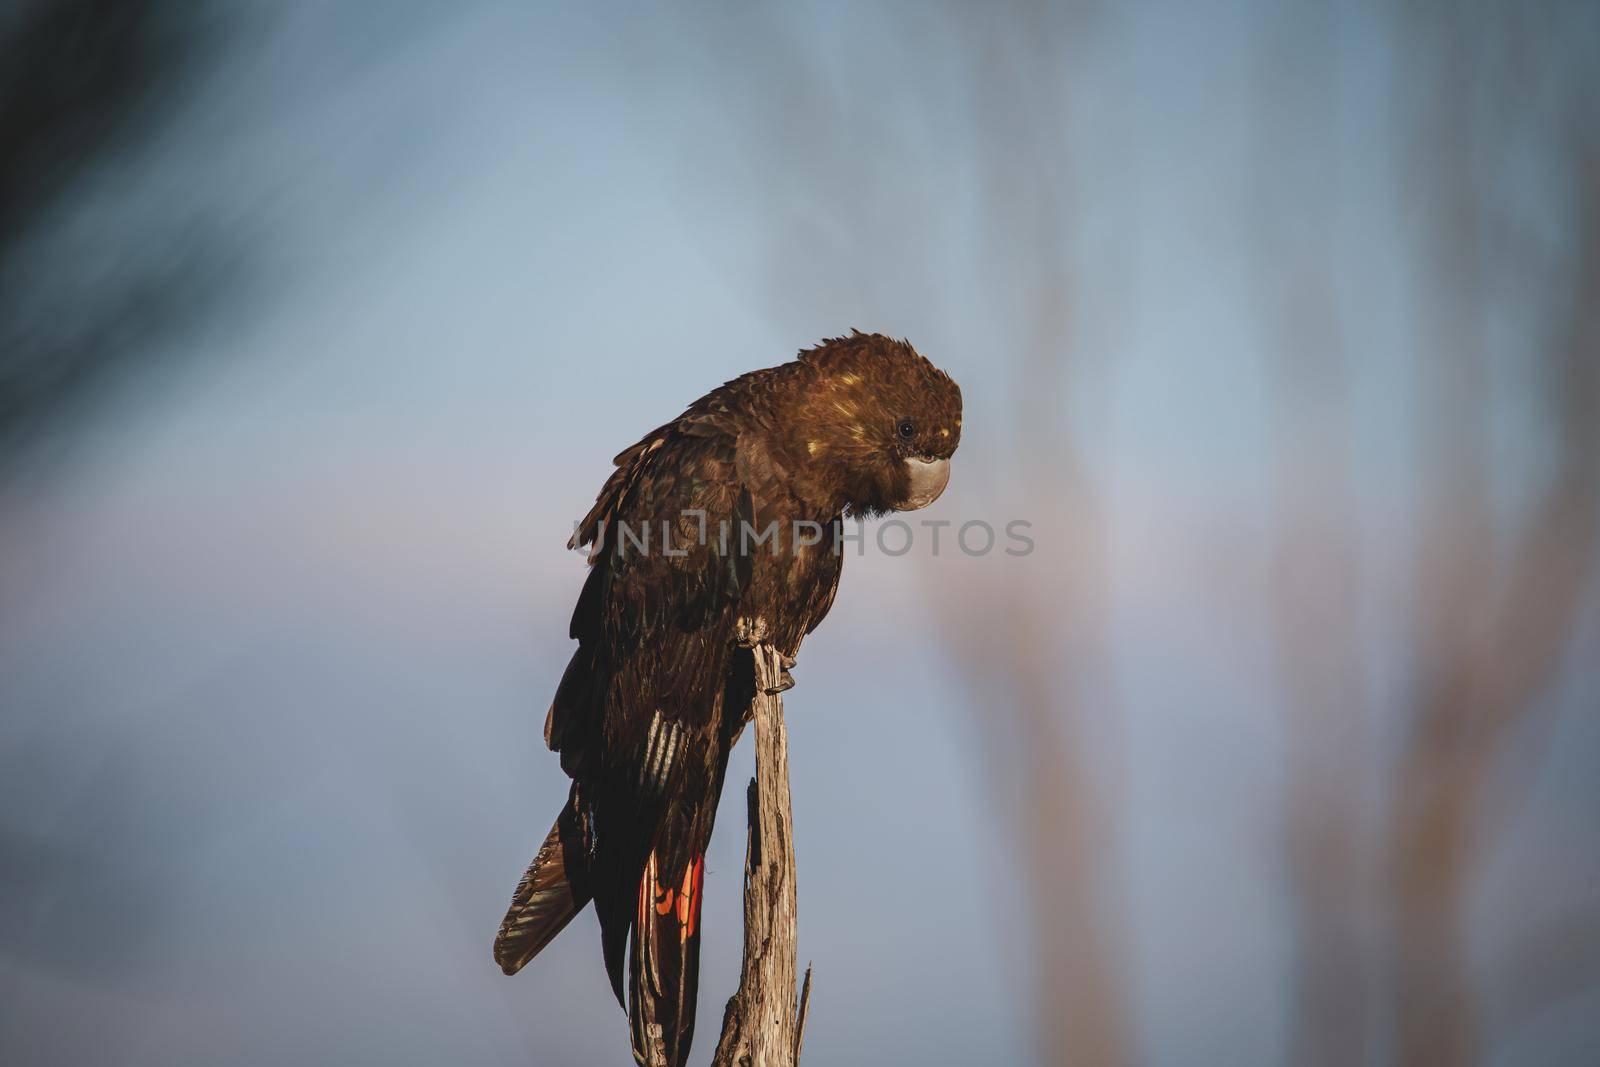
(928, 479)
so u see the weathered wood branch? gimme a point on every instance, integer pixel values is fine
(762, 1027)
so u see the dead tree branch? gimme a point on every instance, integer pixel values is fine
(762, 1027)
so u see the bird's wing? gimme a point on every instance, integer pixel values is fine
(831, 566)
(658, 606)
(638, 717)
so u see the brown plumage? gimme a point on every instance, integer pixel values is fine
(684, 559)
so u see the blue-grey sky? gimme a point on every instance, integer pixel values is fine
(278, 631)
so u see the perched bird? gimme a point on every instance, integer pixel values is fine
(722, 524)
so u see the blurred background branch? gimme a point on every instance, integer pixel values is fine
(1038, 672)
(1316, 565)
(86, 87)
(1494, 612)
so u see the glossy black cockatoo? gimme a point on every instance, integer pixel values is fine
(726, 518)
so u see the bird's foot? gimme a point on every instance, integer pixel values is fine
(785, 679)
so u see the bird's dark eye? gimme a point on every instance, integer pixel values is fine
(906, 429)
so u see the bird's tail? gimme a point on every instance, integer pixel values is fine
(554, 889)
(664, 967)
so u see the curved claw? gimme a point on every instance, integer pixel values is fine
(785, 682)
(785, 679)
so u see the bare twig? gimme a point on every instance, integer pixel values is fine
(805, 1012)
(762, 1026)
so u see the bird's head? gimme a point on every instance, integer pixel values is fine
(880, 423)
